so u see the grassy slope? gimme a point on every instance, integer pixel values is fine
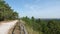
(29, 29)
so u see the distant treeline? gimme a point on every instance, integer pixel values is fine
(43, 26)
(6, 13)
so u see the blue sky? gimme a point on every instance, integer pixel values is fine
(36, 8)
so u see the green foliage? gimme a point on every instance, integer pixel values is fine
(46, 26)
(6, 13)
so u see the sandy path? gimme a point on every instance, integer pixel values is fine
(4, 27)
(23, 29)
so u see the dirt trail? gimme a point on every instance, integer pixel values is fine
(23, 29)
(4, 27)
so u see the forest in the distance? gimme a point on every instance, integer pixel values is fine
(43, 26)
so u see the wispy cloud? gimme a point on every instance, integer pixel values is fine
(37, 8)
(41, 12)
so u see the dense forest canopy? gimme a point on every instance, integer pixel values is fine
(6, 13)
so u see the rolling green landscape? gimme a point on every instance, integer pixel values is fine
(33, 25)
(43, 26)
